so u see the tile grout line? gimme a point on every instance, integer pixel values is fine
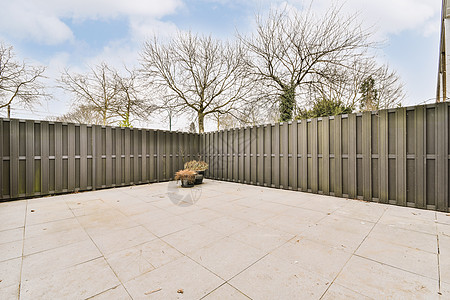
(23, 248)
(102, 255)
(353, 254)
(438, 256)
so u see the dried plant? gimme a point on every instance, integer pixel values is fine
(188, 175)
(196, 165)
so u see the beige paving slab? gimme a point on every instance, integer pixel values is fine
(262, 237)
(10, 292)
(444, 291)
(334, 237)
(44, 242)
(58, 258)
(117, 292)
(227, 257)
(192, 238)
(227, 208)
(106, 223)
(12, 217)
(45, 229)
(165, 282)
(166, 226)
(47, 214)
(411, 213)
(77, 282)
(381, 281)
(361, 210)
(226, 292)
(289, 224)
(135, 261)
(409, 223)
(253, 215)
(314, 257)
(405, 258)
(11, 235)
(324, 204)
(337, 291)
(122, 239)
(251, 201)
(408, 238)
(347, 224)
(202, 215)
(226, 225)
(10, 250)
(10, 273)
(443, 218)
(274, 278)
(444, 258)
(96, 206)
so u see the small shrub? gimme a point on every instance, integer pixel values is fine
(196, 165)
(188, 175)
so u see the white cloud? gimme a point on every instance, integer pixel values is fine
(42, 21)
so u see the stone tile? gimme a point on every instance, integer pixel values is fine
(262, 237)
(314, 257)
(226, 292)
(77, 282)
(381, 281)
(10, 273)
(289, 224)
(58, 258)
(11, 235)
(443, 229)
(443, 218)
(409, 223)
(10, 292)
(251, 202)
(361, 210)
(337, 291)
(273, 207)
(192, 238)
(47, 214)
(163, 227)
(12, 217)
(96, 206)
(228, 208)
(347, 224)
(202, 215)
(132, 262)
(444, 292)
(151, 215)
(123, 239)
(410, 213)
(48, 241)
(182, 274)
(10, 250)
(227, 257)
(45, 229)
(226, 225)
(274, 278)
(408, 238)
(444, 258)
(405, 258)
(253, 215)
(325, 204)
(117, 292)
(106, 223)
(137, 209)
(334, 237)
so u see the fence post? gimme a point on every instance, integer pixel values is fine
(383, 158)
(325, 155)
(367, 155)
(401, 156)
(442, 156)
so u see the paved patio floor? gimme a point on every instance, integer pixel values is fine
(220, 241)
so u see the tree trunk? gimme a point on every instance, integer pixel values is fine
(201, 118)
(287, 102)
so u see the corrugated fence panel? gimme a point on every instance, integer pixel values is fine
(398, 156)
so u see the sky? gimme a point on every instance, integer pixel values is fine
(78, 33)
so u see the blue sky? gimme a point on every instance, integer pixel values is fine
(78, 33)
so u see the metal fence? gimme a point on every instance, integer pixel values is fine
(41, 158)
(397, 156)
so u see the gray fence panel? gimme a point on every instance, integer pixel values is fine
(398, 156)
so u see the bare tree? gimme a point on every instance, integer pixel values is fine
(293, 49)
(97, 89)
(19, 81)
(82, 114)
(364, 86)
(131, 103)
(200, 74)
